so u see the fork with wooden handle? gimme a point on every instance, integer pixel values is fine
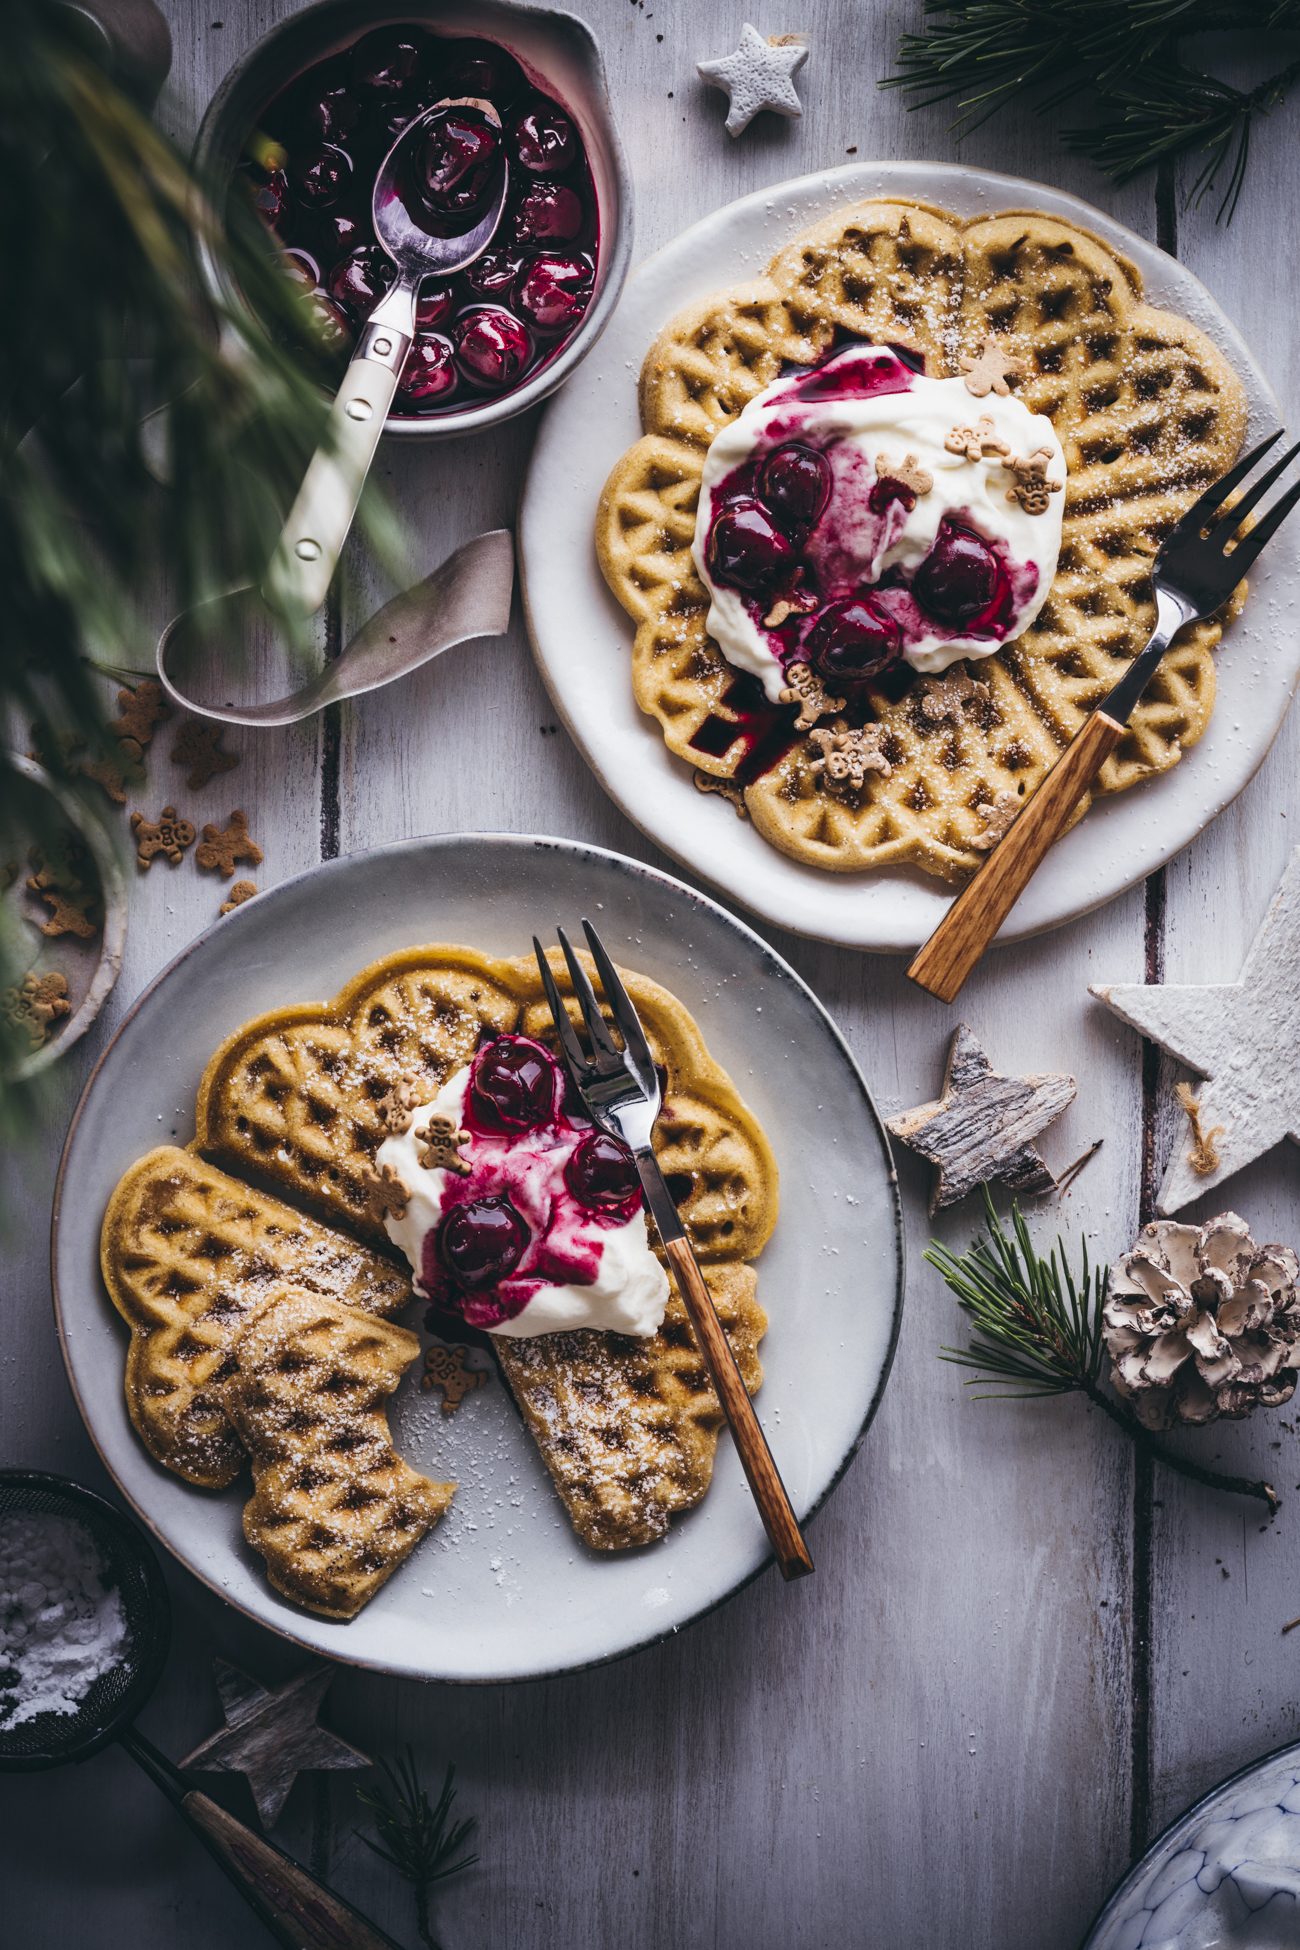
(621, 1093)
(1198, 566)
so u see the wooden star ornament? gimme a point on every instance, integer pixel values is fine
(1243, 1036)
(760, 74)
(272, 1737)
(981, 1130)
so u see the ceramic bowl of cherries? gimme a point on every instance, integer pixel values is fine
(503, 331)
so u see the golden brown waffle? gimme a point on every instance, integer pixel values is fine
(628, 1428)
(187, 1254)
(1147, 410)
(334, 1509)
(285, 1079)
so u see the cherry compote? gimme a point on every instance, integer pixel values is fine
(853, 639)
(602, 1173)
(960, 578)
(513, 1086)
(746, 549)
(488, 328)
(482, 1241)
(794, 481)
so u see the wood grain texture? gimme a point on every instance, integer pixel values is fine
(1012, 1652)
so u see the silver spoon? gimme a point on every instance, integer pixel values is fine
(318, 523)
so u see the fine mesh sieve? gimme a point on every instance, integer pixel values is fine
(131, 1568)
(299, 1911)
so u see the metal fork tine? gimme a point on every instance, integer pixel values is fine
(1233, 517)
(574, 1054)
(622, 1008)
(602, 1043)
(1250, 545)
(1206, 504)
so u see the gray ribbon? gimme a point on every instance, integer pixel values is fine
(467, 596)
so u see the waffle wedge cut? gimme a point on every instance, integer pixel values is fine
(627, 1428)
(187, 1255)
(334, 1509)
(1148, 412)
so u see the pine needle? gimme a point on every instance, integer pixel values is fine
(416, 1838)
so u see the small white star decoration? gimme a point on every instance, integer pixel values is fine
(759, 75)
(1244, 1036)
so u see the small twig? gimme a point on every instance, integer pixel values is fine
(1071, 1172)
(1290, 1626)
(1215, 1479)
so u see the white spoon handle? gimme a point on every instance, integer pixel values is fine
(311, 542)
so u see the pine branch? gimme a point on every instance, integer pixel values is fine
(1121, 54)
(1038, 1331)
(420, 1841)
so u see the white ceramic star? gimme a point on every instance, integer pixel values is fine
(759, 75)
(1243, 1035)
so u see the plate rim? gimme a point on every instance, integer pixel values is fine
(1146, 1862)
(448, 842)
(1118, 235)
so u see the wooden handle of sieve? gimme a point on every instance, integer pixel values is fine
(970, 924)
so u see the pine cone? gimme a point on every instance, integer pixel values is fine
(1201, 1322)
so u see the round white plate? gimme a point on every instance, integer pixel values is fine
(582, 639)
(502, 1589)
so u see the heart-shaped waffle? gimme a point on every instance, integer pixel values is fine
(1148, 412)
(296, 1100)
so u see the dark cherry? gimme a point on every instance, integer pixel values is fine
(852, 639)
(458, 160)
(433, 306)
(746, 549)
(493, 275)
(795, 483)
(513, 1085)
(482, 1241)
(320, 176)
(339, 233)
(361, 278)
(479, 68)
(301, 268)
(602, 1172)
(959, 577)
(385, 62)
(492, 346)
(549, 213)
(334, 115)
(546, 141)
(329, 323)
(430, 370)
(555, 292)
(270, 196)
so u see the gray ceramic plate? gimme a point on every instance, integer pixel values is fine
(502, 1590)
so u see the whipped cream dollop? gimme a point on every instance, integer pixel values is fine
(546, 1231)
(819, 543)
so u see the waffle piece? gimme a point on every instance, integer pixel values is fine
(334, 1509)
(187, 1254)
(255, 1112)
(1147, 410)
(628, 1428)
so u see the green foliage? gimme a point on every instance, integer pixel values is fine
(417, 1838)
(1124, 56)
(1037, 1325)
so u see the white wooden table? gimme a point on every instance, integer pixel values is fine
(1021, 1653)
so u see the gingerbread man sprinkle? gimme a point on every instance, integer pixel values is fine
(990, 370)
(221, 848)
(908, 472)
(198, 746)
(998, 815)
(40, 1002)
(387, 1196)
(948, 699)
(243, 890)
(140, 710)
(979, 442)
(440, 1142)
(846, 755)
(805, 688)
(399, 1104)
(1032, 489)
(724, 788)
(448, 1369)
(168, 837)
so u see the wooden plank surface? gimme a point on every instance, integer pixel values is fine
(1015, 1657)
